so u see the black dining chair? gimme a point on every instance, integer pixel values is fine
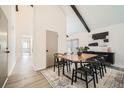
(68, 64)
(95, 64)
(60, 62)
(101, 59)
(86, 72)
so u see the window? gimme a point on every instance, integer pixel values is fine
(72, 46)
(26, 45)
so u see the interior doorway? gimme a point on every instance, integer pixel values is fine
(26, 46)
(51, 46)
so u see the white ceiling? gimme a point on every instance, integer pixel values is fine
(96, 16)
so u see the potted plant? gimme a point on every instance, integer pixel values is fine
(81, 50)
(86, 48)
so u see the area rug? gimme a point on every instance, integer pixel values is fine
(112, 79)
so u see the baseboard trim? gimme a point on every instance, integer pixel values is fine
(5, 82)
(37, 69)
(10, 72)
(117, 68)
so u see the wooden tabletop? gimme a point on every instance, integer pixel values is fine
(76, 58)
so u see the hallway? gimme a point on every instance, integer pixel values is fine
(24, 76)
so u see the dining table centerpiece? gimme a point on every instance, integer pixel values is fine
(82, 49)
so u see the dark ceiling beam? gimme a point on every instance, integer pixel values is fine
(17, 8)
(80, 17)
(31, 5)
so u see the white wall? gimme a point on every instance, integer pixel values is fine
(82, 37)
(74, 25)
(24, 26)
(10, 14)
(116, 37)
(47, 18)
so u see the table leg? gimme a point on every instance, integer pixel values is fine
(63, 69)
(65, 73)
(76, 72)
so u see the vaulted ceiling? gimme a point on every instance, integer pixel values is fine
(102, 16)
(96, 16)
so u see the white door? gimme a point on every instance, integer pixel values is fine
(51, 46)
(3, 47)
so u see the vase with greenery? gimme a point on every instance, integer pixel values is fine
(82, 49)
(86, 48)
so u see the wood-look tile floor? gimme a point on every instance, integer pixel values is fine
(24, 76)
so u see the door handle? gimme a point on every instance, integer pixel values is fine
(7, 51)
(46, 50)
